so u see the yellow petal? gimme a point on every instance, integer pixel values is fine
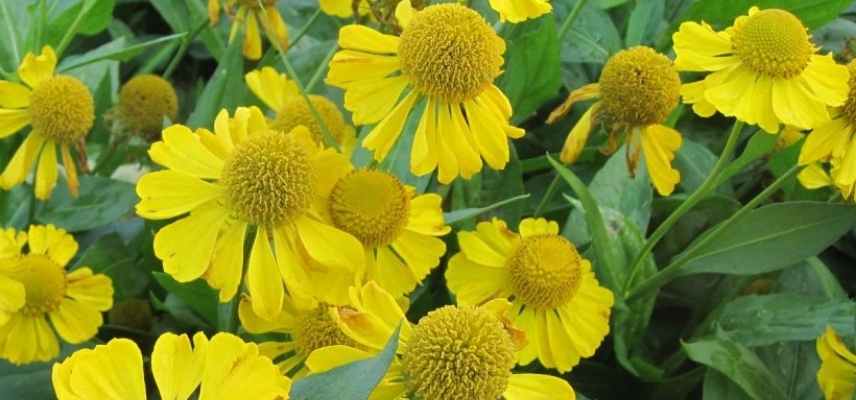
(181, 150)
(586, 92)
(235, 370)
(72, 181)
(363, 38)
(253, 323)
(329, 246)
(538, 387)
(371, 100)
(814, 177)
(515, 11)
(455, 134)
(426, 215)
(837, 373)
(824, 139)
(176, 368)
(271, 87)
(846, 172)
(12, 298)
(76, 322)
(275, 28)
(538, 226)
(420, 252)
(339, 8)
(93, 290)
(14, 95)
(12, 121)
(56, 243)
(263, 281)
(252, 38)
(327, 358)
(46, 174)
(477, 250)
(699, 48)
(36, 69)
(794, 106)
(577, 138)
(404, 13)
(214, 11)
(488, 133)
(827, 80)
(111, 372)
(168, 194)
(474, 283)
(187, 245)
(382, 138)
(693, 93)
(228, 262)
(350, 67)
(22, 162)
(660, 144)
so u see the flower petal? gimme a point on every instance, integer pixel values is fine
(22, 162)
(187, 245)
(329, 246)
(263, 280)
(94, 290)
(168, 194)
(177, 369)
(37, 69)
(75, 321)
(538, 387)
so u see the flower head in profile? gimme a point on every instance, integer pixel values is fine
(837, 374)
(638, 88)
(454, 352)
(249, 15)
(222, 368)
(462, 116)
(244, 179)
(282, 96)
(309, 326)
(60, 110)
(830, 149)
(398, 228)
(40, 299)
(555, 297)
(144, 102)
(764, 70)
(515, 11)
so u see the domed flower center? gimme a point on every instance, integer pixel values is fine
(448, 51)
(774, 43)
(545, 271)
(638, 87)
(62, 109)
(316, 329)
(44, 284)
(268, 179)
(849, 109)
(145, 101)
(371, 205)
(296, 112)
(458, 353)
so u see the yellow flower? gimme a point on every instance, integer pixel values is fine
(243, 179)
(398, 229)
(308, 329)
(282, 95)
(386, 78)
(250, 14)
(61, 111)
(35, 287)
(515, 11)
(814, 176)
(144, 102)
(452, 353)
(224, 368)
(764, 70)
(638, 88)
(556, 299)
(837, 374)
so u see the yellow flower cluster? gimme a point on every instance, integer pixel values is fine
(273, 213)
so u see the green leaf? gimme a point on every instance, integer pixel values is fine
(608, 259)
(118, 52)
(645, 20)
(739, 364)
(101, 201)
(96, 18)
(356, 380)
(721, 14)
(694, 161)
(110, 256)
(532, 71)
(183, 16)
(765, 320)
(467, 213)
(772, 238)
(15, 206)
(224, 90)
(592, 38)
(200, 297)
(718, 387)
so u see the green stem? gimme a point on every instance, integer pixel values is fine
(305, 28)
(319, 73)
(700, 194)
(548, 195)
(182, 50)
(569, 20)
(665, 275)
(72, 30)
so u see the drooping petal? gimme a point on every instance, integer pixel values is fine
(824, 140)
(47, 173)
(660, 143)
(22, 162)
(187, 245)
(384, 135)
(813, 176)
(827, 80)
(275, 27)
(12, 121)
(329, 246)
(167, 194)
(227, 265)
(693, 93)
(538, 387)
(263, 281)
(271, 87)
(795, 106)
(252, 38)
(577, 138)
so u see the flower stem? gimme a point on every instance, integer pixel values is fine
(303, 30)
(548, 195)
(319, 73)
(700, 194)
(572, 16)
(665, 275)
(182, 50)
(72, 30)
